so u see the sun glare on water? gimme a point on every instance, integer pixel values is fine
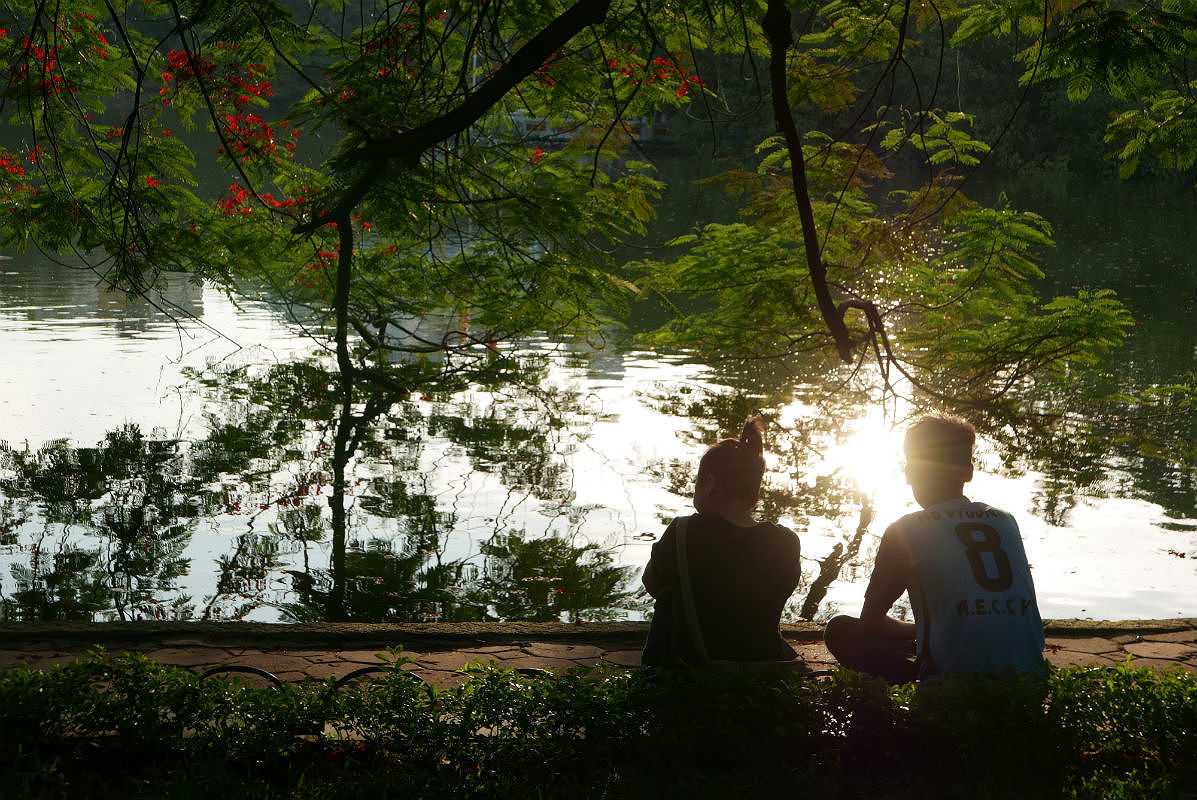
(867, 451)
(872, 457)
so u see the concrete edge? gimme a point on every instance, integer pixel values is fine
(451, 634)
(1088, 627)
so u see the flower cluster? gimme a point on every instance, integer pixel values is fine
(249, 83)
(659, 71)
(249, 135)
(44, 68)
(545, 73)
(231, 85)
(234, 201)
(324, 258)
(285, 203)
(185, 68)
(37, 66)
(398, 45)
(15, 190)
(311, 273)
(237, 201)
(11, 164)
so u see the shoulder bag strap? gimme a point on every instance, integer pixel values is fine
(683, 572)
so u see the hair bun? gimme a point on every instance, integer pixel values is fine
(738, 465)
(752, 437)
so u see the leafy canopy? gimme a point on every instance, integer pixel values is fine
(439, 179)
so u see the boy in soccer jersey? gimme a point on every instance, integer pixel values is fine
(962, 563)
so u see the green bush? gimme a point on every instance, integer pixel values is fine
(123, 726)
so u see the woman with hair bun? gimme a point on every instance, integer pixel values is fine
(740, 572)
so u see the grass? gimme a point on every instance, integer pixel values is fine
(123, 726)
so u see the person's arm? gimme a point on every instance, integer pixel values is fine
(650, 581)
(890, 578)
(657, 579)
(793, 559)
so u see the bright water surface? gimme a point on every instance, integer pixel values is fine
(500, 504)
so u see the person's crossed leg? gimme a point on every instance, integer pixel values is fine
(886, 650)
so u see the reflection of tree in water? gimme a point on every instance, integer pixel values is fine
(549, 579)
(102, 531)
(405, 579)
(382, 586)
(830, 566)
(244, 576)
(1102, 437)
(63, 586)
(520, 437)
(410, 578)
(130, 497)
(269, 463)
(539, 579)
(1131, 423)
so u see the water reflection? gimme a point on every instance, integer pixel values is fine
(481, 505)
(108, 532)
(107, 529)
(538, 502)
(51, 291)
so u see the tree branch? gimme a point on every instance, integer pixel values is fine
(408, 146)
(777, 28)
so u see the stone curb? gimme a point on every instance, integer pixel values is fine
(454, 634)
(437, 652)
(1088, 627)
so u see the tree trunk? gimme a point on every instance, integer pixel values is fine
(777, 28)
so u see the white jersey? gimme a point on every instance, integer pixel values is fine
(971, 590)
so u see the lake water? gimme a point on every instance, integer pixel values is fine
(190, 475)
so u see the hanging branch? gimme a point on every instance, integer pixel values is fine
(777, 29)
(344, 279)
(408, 146)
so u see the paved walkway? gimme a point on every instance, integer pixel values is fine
(303, 652)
